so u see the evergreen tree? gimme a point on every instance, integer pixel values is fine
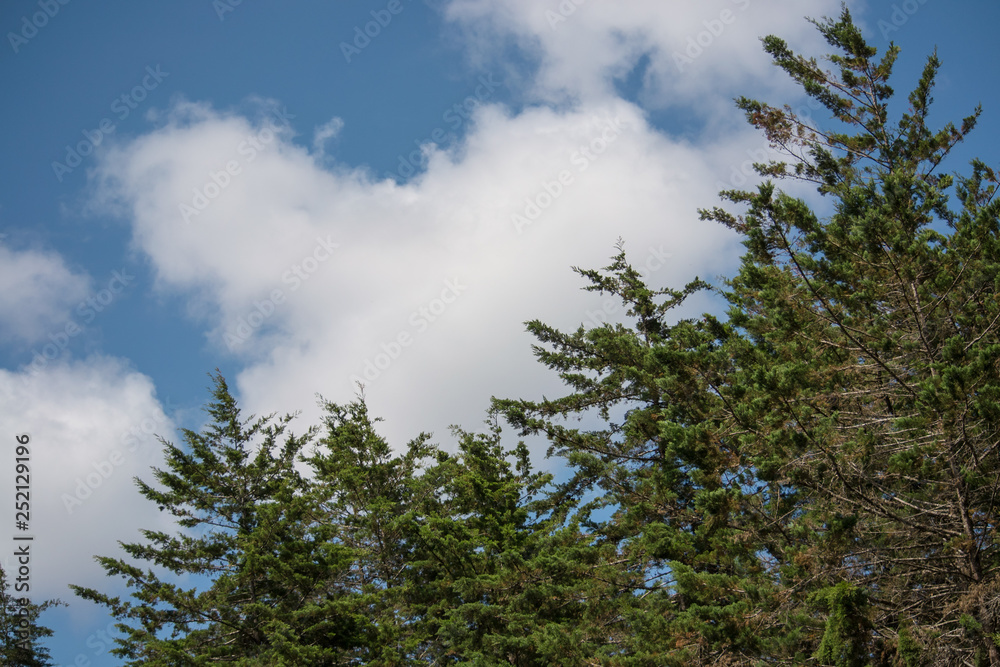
(810, 479)
(813, 478)
(489, 584)
(454, 557)
(871, 371)
(20, 632)
(364, 495)
(663, 469)
(250, 533)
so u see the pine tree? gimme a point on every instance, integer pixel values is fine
(20, 631)
(868, 354)
(812, 478)
(662, 466)
(262, 569)
(364, 494)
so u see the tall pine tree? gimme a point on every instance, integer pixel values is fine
(812, 478)
(869, 363)
(263, 569)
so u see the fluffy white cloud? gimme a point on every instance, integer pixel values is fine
(699, 53)
(91, 425)
(37, 294)
(316, 274)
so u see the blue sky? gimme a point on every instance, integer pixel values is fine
(267, 189)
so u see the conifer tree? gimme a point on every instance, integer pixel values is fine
(259, 564)
(20, 631)
(811, 479)
(489, 582)
(871, 380)
(662, 467)
(455, 558)
(870, 356)
(364, 495)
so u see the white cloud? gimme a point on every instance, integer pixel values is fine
(700, 53)
(313, 273)
(37, 293)
(91, 425)
(504, 216)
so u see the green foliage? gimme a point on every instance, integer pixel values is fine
(362, 494)
(669, 478)
(909, 652)
(870, 343)
(819, 468)
(20, 631)
(371, 558)
(249, 528)
(845, 639)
